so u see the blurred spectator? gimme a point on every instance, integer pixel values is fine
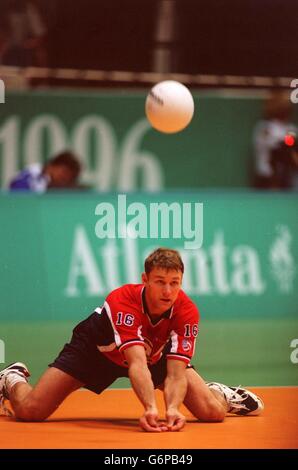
(275, 161)
(61, 172)
(22, 42)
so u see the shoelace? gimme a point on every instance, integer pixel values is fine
(238, 401)
(4, 411)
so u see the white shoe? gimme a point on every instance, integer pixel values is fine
(240, 400)
(15, 368)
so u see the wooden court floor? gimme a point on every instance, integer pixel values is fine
(110, 421)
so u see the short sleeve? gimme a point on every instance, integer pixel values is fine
(184, 333)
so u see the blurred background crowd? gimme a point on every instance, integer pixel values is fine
(250, 37)
(248, 47)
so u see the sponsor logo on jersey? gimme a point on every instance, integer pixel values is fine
(186, 345)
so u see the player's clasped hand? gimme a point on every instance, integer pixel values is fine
(149, 422)
(175, 420)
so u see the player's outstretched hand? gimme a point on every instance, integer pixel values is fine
(175, 420)
(149, 422)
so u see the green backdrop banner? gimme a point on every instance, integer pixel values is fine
(56, 267)
(117, 146)
(61, 254)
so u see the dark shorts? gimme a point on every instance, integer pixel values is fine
(81, 359)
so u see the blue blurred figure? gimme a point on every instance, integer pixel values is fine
(61, 172)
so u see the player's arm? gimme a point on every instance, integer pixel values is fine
(140, 378)
(174, 393)
(183, 335)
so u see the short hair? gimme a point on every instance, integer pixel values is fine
(164, 258)
(68, 160)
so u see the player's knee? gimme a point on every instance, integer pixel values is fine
(212, 411)
(214, 416)
(31, 411)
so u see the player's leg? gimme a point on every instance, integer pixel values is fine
(79, 363)
(36, 404)
(204, 403)
(211, 401)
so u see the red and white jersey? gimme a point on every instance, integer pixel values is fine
(124, 322)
